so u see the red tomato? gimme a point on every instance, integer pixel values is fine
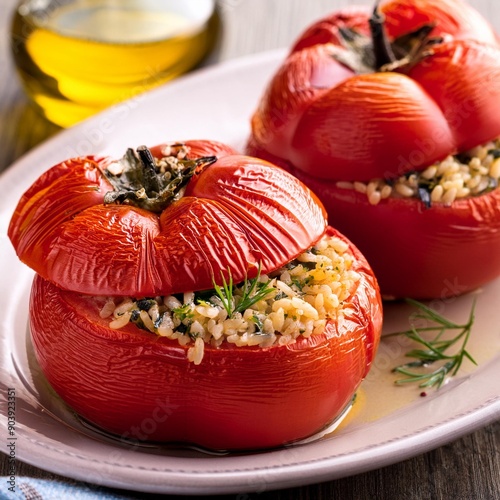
(327, 121)
(235, 214)
(141, 387)
(334, 122)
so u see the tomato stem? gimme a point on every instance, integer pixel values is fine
(381, 45)
(149, 183)
(365, 54)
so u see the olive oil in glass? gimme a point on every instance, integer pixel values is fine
(76, 57)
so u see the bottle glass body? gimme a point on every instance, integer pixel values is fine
(76, 57)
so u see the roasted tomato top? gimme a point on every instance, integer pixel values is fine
(375, 95)
(166, 220)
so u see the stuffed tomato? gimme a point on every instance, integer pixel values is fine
(189, 294)
(390, 118)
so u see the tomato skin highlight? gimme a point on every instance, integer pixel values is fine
(350, 132)
(142, 387)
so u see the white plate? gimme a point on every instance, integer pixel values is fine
(387, 424)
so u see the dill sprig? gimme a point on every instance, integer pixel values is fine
(435, 349)
(252, 291)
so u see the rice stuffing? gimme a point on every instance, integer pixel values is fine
(270, 309)
(460, 176)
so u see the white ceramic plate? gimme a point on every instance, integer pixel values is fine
(387, 424)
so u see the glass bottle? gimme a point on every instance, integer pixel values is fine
(76, 57)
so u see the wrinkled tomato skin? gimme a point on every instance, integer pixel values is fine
(451, 18)
(379, 125)
(141, 387)
(335, 124)
(236, 214)
(433, 253)
(385, 124)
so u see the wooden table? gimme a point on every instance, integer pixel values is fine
(468, 468)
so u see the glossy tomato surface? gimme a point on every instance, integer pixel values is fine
(335, 120)
(324, 122)
(235, 215)
(142, 387)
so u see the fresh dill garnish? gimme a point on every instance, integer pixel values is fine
(226, 293)
(252, 291)
(435, 349)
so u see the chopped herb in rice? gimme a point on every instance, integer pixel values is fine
(274, 309)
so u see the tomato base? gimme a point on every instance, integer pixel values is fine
(141, 387)
(418, 252)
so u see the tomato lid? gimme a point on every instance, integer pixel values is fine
(95, 225)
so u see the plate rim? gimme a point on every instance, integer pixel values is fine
(361, 460)
(210, 482)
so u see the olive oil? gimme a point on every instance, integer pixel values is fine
(76, 57)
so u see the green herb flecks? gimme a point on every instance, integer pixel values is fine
(436, 349)
(258, 323)
(495, 152)
(183, 312)
(301, 283)
(252, 291)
